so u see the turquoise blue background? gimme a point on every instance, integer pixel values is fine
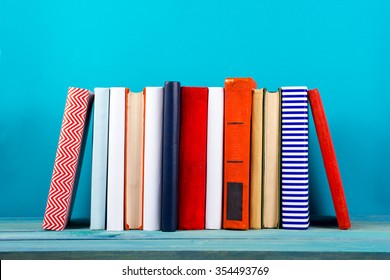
(340, 47)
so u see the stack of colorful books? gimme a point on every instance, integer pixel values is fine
(192, 158)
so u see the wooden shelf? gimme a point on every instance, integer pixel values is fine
(369, 238)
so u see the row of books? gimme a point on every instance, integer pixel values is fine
(185, 158)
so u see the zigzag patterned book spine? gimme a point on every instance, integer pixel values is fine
(295, 169)
(67, 159)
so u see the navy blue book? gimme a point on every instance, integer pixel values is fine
(295, 172)
(170, 156)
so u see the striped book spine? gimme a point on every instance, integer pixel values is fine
(295, 168)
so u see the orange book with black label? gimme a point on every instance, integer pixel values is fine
(237, 126)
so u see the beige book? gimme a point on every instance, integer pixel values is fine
(271, 159)
(256, 159)
(134, 160)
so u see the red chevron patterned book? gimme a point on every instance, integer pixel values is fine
(329, 158)
(67, 158)
(192, 158)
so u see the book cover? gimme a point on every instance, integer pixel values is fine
(170, 156)
(65, 171)
(134, 124)
(237, 125)
(192, 158)
(295, 160)
(116, 159)
(271, 160)
(99, 159)
(152, 158)
(214, 177)
(329, 158)
(255, 203)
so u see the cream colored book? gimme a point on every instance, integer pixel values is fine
(271, 159)
(134, 160)
(256, 160)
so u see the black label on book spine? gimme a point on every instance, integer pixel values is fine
(234, 201)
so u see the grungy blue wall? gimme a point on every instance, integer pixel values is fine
(340, 47)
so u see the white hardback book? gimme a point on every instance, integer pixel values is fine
(99, 159)
(153, 158)
(214, 181)
(116, 160)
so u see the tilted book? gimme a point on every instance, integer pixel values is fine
(192, 158)
(329, 158)
(99, 159)
(237, 124)
(256, 180)
(271, 160)
(214, 180)
(295, 160)
(65, 172)
(134, 159)
(170, 156)
(116, 159)
(152, 158)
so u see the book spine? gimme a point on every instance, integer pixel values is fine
(192, 158)
(256, 160)
(153, 158)
(67, 159)
(237, 124)
(295, 165)
(99, 159)
(329, 159)
(170, 156)
(133, 160)
(116, 160)
(271, 160)
(214, 180)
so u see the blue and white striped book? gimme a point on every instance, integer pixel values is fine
(295, 167)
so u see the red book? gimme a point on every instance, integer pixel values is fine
(67, 159)
(192, 158)
(329, 158)
(237, 126)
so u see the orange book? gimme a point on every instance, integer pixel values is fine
(237, 126)
(134, 124)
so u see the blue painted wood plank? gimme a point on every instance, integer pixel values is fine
(369, 238)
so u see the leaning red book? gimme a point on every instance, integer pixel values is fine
(67, 158)
(329, 158)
